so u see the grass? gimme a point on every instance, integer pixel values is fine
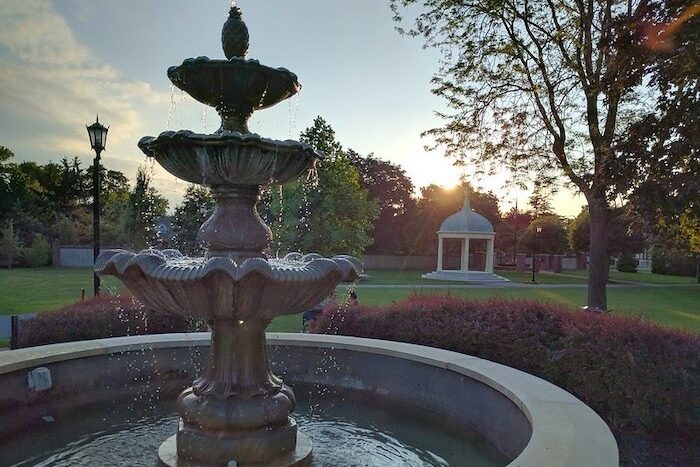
(541, 278)
(677, 307)
(403, 277)
(380, 277)
(641, 277)
(38, 290)
(25, 290)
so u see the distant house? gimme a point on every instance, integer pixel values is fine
(164, 231)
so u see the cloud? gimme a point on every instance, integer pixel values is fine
(51, 80)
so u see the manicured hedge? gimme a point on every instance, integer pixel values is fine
(626, 262)
(674, 262)
(104, 316)
(637, 376)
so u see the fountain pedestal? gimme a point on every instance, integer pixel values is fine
(238, 411)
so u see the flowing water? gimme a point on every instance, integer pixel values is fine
(347, 429)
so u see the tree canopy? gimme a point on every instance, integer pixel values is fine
(542, 86)
(330, 213)
(388, 185)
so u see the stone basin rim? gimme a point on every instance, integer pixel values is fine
(565, 432)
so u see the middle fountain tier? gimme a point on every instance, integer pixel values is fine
(238, 410)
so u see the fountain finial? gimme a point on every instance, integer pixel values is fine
(234, 35)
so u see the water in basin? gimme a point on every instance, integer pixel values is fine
(347, 429)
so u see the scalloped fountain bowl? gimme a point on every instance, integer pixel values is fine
(234, 83)
(219, 289)
(229, 158)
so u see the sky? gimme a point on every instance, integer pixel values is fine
(63, 62)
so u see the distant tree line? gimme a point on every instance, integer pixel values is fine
(41, 202)
(350, 203)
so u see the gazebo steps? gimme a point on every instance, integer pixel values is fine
(477, 277)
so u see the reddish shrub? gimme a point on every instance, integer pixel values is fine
(104, 316)
(638, 376)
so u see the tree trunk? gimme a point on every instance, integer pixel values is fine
(598, 271)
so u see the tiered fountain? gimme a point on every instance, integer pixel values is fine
(238, 410)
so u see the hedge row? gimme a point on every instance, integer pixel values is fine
(104, 316)
(674, 262)
(639, 377)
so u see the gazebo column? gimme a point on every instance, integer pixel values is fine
(464, 266)
(439, 254)
(489, 255)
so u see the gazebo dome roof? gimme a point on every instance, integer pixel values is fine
(466, 221)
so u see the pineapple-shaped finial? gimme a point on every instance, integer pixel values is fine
(234, 35)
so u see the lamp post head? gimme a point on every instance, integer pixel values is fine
(98, 135)
(539, 229)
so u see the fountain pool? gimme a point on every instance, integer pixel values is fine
(426, 404)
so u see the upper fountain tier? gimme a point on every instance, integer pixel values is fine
(235, 87)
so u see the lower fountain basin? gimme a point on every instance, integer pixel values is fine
(528, 420)
(257, 289)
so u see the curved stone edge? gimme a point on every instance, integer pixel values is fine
(149, 144)
(565, 432)
(154, 264)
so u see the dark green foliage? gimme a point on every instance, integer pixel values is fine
(510, 230)
(55, 200)
(624, 232)
(551, 239)
(392, 190)
(674, 262)
(10, 244)
(330, 215)
(196, 207)
(145, 205)
(540, 200)
(38, 253)
(103, 316)
(626, 262)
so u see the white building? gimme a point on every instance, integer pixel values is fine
(466, 225)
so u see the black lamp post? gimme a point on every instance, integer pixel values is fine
(98, 139)
(534, 255)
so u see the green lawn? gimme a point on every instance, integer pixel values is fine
(381, 277)
(542, 278)
(37, 290)
(642, 277)
(677, 306)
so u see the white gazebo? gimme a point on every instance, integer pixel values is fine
(466, 225)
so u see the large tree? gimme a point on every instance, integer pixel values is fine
(145, 205)
(329, 213)
(551, 238)
(538, 85)
(392, 190)
(197, 205)
(663, 145)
